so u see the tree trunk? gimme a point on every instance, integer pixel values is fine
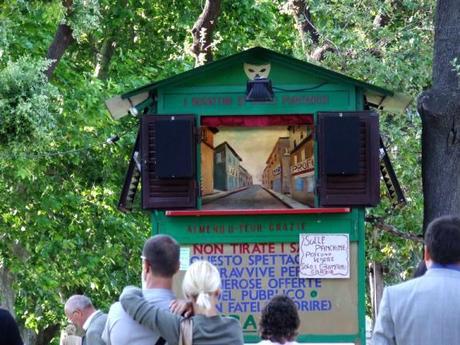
(376, 287)
(202, 32)
(383, 18)
(6, 289)
(299, 9)
(303, 22)
(439, 109)
(105, 53)
(62, 40)
(103, 59)
(43, 337)
(320, 53)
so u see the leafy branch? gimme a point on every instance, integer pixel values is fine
(379, 223)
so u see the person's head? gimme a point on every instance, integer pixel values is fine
(78, 308)
(280, 320)
(201, 284)
(160, 257)
(442, 240)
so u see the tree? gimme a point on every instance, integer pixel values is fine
(300, 11)
(202, 32)
(62, 40)
(59, 182)
(79, 18)
(439, 108)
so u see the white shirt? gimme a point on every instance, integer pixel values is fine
(121, 329)
(88, 320)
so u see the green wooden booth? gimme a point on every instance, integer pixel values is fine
(263, 165)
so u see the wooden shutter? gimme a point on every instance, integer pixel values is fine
(395, 193)
(169, 141)
(348, 159)
(133, 175)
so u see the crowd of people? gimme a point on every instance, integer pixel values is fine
(153, 315)
(421, 311)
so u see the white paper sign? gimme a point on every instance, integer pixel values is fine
(324, 256)
(184, 258)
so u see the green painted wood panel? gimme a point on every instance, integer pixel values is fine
(220, 91)
(280, 74)
(266, 229)
(254, 229)
(233, 103)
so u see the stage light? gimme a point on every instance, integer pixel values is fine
(259, 90)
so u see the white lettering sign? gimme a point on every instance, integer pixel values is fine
(184, 258)
(324, 256)
(303, 166)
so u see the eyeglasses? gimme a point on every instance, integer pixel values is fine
(71, 316)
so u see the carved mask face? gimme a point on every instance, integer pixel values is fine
(257, 71)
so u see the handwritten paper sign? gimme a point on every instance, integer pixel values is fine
(324, 256)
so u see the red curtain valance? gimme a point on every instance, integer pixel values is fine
(256, 120)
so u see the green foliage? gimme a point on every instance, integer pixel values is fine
(402, 136)
(397, 55)
(28, 103)
(60, 231)
(246, 24)
(5, 32)
(83, 18)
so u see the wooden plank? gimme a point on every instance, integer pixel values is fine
(199, 213)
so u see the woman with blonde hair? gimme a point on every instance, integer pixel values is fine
(201, 286)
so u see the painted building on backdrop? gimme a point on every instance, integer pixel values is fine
(278, 167)
(302, 164)
(226, 168)
(207, 160)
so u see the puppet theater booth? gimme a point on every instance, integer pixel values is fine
(263, 165)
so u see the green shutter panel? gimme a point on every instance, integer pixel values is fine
(168, 161)
(348, 158)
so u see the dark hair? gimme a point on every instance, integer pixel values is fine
(279, 320)
(442, 240)
(162, 254)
